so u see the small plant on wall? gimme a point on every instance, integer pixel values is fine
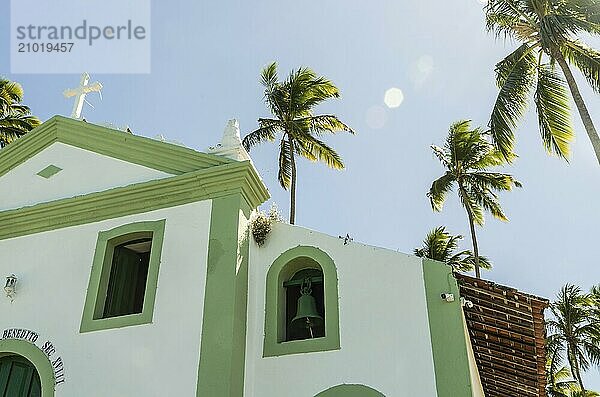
(262, 223)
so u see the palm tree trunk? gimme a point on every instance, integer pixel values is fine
(475, 247)
(581, 107)
(293, 186)
(575, 368)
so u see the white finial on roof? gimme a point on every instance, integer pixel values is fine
(80, 92)
(231, 143)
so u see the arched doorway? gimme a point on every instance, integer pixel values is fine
(18, 377)
(350, 391)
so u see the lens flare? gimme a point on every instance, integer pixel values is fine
(393, 97)
(376, 117)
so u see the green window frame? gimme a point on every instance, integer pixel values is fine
(284, 267)
(19, 377)
(93, 312)
(35, 356)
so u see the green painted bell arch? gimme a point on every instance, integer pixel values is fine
(350, 391)
(288, 263)
(35, 356)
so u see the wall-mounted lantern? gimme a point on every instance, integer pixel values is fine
(11, 287)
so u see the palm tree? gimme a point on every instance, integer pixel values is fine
(441, 246)
(575, 330)
(547, 31)
(595, 294)
(584, 393)
(292, 102)
(559, 379)
(467, 156)
(15, 118)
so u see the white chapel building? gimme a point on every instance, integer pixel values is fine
(130, 272)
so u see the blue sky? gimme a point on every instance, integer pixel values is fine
(206, 59)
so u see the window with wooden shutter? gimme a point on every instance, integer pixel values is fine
(18, 378)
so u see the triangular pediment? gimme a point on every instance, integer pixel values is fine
(66, 158)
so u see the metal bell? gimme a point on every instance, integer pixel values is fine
(307, 313)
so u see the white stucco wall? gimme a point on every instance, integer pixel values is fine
(82, 172)
(384, 329)
(158, 359)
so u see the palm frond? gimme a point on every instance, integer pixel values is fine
(441, 246)
(268, 76)
(488, 200)
(461, 142)
(554, 114)
(267, 131)
(326, 123)
(581, 393)
(578, 15)
(507, 25)
(314, 149)
(514, 76)
(275, 96)
(439, 190)
(10, 93)
(490, 158)
(590, 9)
(16, 122)
(438, 245)
(555, 29)
(517, 11)
(586, 59)
(492, 180)
(465, 261)
(307, 90)
(441, 155)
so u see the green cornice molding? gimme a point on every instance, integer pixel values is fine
(209, 183)
(162, 156)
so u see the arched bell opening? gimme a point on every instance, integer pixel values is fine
(305, 305)
(301, 303)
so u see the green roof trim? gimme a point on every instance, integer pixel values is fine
(197, 176)
(161, 156)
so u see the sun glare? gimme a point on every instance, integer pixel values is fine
(393, 97)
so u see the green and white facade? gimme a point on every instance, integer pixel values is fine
(210, 319)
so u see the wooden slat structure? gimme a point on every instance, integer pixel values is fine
(507, 333)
